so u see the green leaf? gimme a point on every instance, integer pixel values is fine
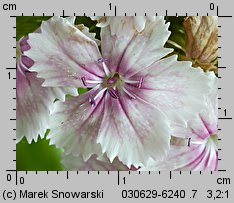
(39, 156)
(28, 24)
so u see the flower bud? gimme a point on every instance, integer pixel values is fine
(202, 40)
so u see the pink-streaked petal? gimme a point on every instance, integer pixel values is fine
(145, 48)
(197, 157)
(63, 54)
(210, 114)
(201, 152)
(75, 123)
(34, 103)
(175, 88)
(130, 51)
(115, 38)
(94, 163)
(128, 129)
(133, 131)
(201, 129)
(205, 124)
(197, 129)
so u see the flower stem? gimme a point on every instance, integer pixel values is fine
(176, 45)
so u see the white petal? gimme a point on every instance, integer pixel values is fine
(133, 131)
(176, 89)
(91, 35)
(94, 163)
(63, 54)
(71, 19)
(34, 103)
(139, 23)
(197, 157)
(128, 50)
(102, 21)
(74, 125)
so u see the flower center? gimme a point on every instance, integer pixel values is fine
(112, 80)
(111, 83)
(214, 139)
